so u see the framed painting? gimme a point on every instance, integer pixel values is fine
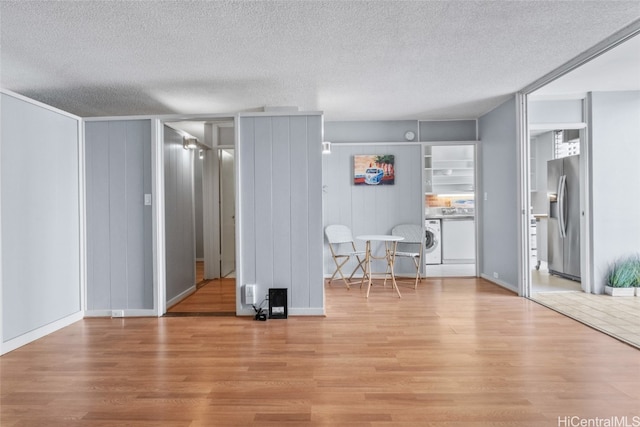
(373, 169)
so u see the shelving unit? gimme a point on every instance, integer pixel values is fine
(449, 169)
(428, 171)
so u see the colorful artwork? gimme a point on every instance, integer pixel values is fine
(373, 169)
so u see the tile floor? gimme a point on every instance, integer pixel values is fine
(615, 316)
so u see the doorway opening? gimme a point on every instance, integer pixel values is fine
(450, 220)
(200, 217)
(555, 200)
(608, 155)
(227, 212)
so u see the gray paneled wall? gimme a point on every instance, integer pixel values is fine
(369, 131)
(280, 166)
(119, 240)
(40, 217)
(394, 130)
(448, 130)
(499, 208)
(372, 209)
(615, 179)
(197, 194)
(555, 111)
(179, 216)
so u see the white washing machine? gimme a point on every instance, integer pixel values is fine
(433, 242)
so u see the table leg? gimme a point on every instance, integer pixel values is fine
(368, 263)
(391, 261)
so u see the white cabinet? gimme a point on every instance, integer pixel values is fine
(458, 241)
(449, 169)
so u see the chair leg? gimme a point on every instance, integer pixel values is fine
(417, 262)
(361, 267)
(339, 270)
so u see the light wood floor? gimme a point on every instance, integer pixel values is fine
(456, 352)
(212, 297)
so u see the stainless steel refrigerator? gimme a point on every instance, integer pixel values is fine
(563, 188)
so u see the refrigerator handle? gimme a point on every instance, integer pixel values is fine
(562, 206)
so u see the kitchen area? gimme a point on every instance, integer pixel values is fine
(450, 231)
(555, 210)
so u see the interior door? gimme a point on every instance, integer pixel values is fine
(227, 213)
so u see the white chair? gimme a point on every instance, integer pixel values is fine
(412, 245)
(342, 248)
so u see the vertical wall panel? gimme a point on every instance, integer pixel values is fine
(248, 210)
(281, 207)
(282, 177)
(40, 217)
(179, 215)
(316, 237)
(300, 211)
(119, 240)
(134, 197)
(263, 199)
(118, 213)
(199, 209)
(147, 232)
(97, 201)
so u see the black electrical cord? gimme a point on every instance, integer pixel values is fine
(261, 314)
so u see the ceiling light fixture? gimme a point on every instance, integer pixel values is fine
(189, 143)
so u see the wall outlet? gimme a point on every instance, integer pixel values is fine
(250, 294)
(117, 313)
(495, 275)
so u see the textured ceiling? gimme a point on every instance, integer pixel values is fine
(354, 60)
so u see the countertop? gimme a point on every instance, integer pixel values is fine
(451, 216)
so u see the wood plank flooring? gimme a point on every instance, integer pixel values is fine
(454, 352)
(216, 296)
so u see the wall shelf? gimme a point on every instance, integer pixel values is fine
(449, 169)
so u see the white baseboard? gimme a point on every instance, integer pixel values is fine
(505, 285)
(127, 313)
(181, 296)
(309, 311)
(314, 311)
(31, 336)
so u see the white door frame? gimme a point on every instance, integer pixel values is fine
(476, 185)
(158, 206)
(523, 150)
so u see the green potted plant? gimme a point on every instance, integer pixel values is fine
(623, 277)
(636, 262)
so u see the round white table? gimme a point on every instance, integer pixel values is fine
(390, 245)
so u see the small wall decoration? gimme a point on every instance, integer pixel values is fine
(373, 169)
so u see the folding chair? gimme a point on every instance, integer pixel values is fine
(339, 238)
(412, 245)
